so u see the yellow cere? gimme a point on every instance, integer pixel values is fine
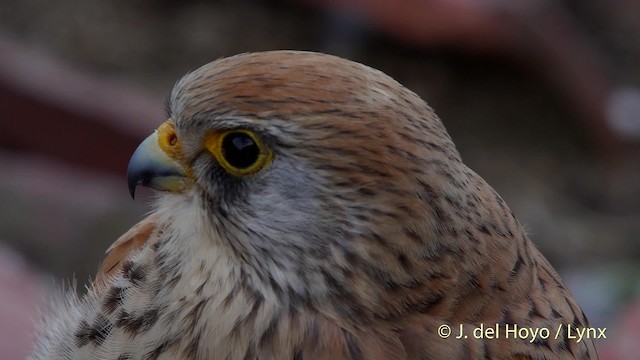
(168, 140)
(214, 143)
(170, 145)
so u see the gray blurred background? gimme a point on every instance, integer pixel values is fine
(541, 98)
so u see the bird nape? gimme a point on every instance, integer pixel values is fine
(310, 207)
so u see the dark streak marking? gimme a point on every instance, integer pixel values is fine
(516, 266)
(355, 353)
(136, 273)
(95, 333)
(136, 324)
(113, 299)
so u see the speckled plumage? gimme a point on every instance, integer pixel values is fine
(362, 237)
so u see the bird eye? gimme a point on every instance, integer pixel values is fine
(239, 152)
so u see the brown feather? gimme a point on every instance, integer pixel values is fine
(129, 242)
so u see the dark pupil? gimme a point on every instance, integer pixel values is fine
(240, 150)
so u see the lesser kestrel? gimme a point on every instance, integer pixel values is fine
(310, 207)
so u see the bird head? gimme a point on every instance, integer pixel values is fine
(326, 176)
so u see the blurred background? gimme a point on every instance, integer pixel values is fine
(541, 98)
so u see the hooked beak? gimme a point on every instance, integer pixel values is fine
(151, 166)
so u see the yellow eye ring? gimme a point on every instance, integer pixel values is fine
(240, 152)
